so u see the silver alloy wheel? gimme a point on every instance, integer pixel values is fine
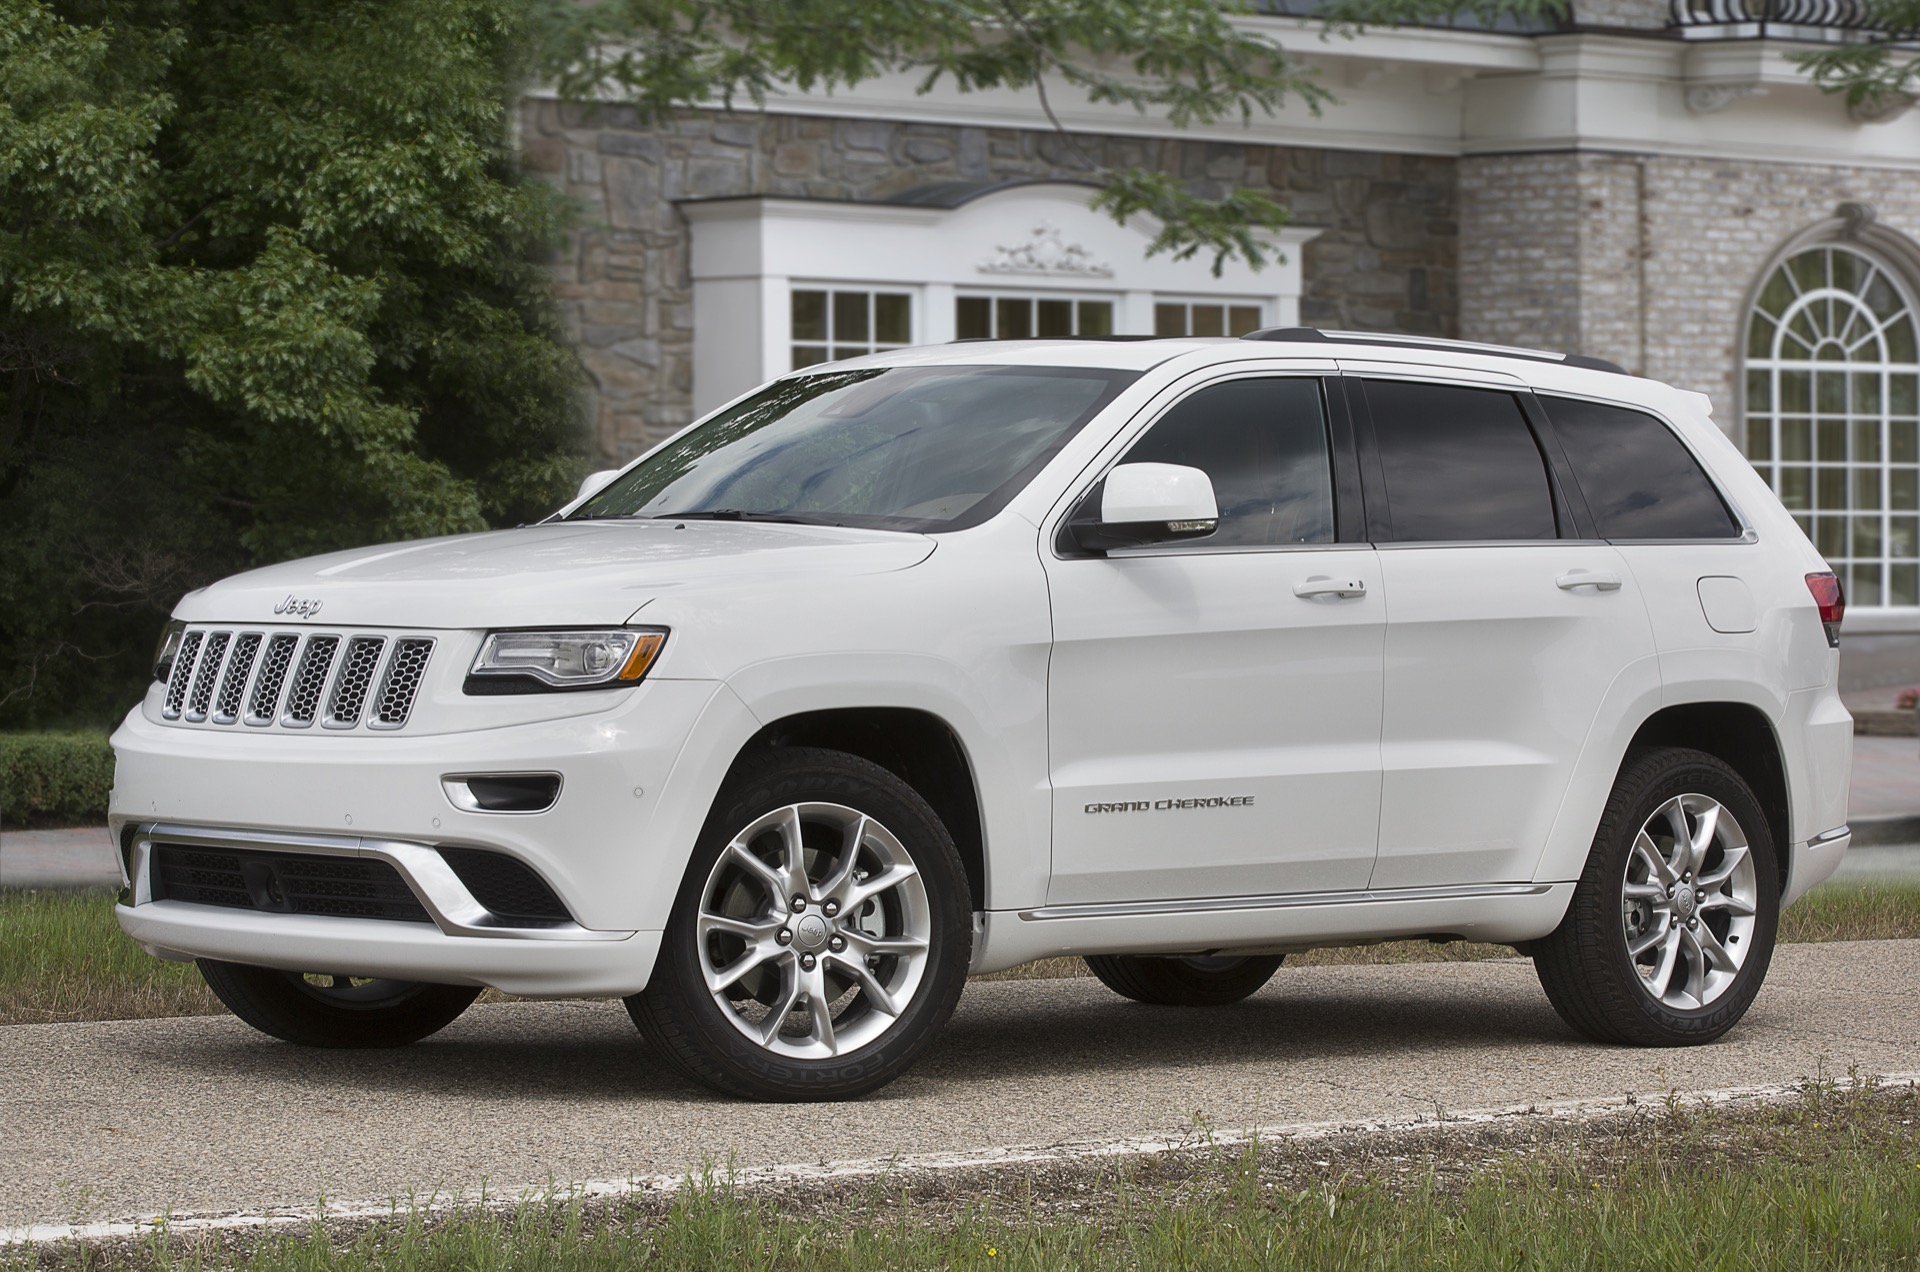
(814, 930)
(1688, 902)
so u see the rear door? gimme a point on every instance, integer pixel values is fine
(1214, 705)
(1507, 626)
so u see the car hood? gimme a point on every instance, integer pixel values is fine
(569, 573)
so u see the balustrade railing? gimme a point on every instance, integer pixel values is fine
(1782, 19)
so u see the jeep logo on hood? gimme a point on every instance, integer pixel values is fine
(298, 608)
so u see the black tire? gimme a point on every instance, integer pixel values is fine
(372, 1013)
(706, 1041)
(1194, 981)
(1586, 965)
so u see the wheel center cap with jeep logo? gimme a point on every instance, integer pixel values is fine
(810, 933)
(1683, 902)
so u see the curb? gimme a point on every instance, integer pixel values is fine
(1877, 832)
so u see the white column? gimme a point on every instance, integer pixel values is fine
(1133, 316)
(935, 321)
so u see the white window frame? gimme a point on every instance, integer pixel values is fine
(1115, 301)
(915, 320)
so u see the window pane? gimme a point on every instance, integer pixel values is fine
(892, 318)
(1759, 391)
(902, 448)
(1264, 444)
(1243, 318)
(1904, 586)
(1902, 445)
(1796, 487)
(1012, 318)
(1903, 394)
(1866, 441)
(1759, 440)
(1056, 318)
(1096, 318)
(1833, 441)
(1866, 538)
(850, 317)
(1863, 585)
(1866, 488)
(1903, 489)
(973, 318)
(1903, 537)
(1209, 320)
(1866, 393)
(1460, 464)
(1796, 392)
(1830, 491)
(1639, 480)
(1796, 440)
(849, 351)
(809, 316)
(807, 355)
(1169, 320)
(1830, 536)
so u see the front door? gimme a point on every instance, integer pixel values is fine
(1214, 705)
(1507, 633)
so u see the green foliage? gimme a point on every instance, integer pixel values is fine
(1186, 61)
(269, 285)
(48, 777)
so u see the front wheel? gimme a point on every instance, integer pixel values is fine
(820, 939)
(1186, 981)
(326, 1010)
(1673, 920)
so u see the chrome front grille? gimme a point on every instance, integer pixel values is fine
(290, 680)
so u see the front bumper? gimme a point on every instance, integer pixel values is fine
(612, 849)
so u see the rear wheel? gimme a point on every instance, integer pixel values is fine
(820, 939)
(326, 1010)
(1673, 920)
(1194, 980)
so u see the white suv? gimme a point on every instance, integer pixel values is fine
(1178, 655)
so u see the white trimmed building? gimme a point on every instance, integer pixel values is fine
(1657, 187)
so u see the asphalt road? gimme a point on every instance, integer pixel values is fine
(118, 1120)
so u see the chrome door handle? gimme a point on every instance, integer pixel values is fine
(1598, 581)
(1321, 585)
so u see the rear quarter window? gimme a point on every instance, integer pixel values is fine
(1639, 480)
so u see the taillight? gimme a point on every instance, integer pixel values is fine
(1832, 600)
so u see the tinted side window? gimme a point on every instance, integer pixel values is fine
(1264, 444)
(1460, 464)
(1639, 480)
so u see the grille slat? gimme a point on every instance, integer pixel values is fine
(211, 659)
(355, 679)
(184, 661)
(405, 670)
(285, 883)
(303, 699)
(233, 686)
(344, 681)
(265, 702)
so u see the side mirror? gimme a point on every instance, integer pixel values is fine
(595, 483)
(1141, 504)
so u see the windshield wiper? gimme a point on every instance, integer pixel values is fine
(735, 514)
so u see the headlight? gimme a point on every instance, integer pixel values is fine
(542, 662)
(164, 652)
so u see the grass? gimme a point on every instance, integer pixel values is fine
(1830, 1179)
(63, 958)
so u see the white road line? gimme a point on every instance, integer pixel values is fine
(665, 1185)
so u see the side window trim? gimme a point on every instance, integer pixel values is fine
(1747, 533)
(1332, 412)
(1350, 522)
(1567, 526)
(1570, 507)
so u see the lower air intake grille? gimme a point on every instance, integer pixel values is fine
(284, 883)
(516, 895)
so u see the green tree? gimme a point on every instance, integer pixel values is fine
(269, 285)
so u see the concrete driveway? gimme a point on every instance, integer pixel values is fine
(117, 1120)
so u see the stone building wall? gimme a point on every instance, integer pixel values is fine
(1645, 260)
(1386, 260)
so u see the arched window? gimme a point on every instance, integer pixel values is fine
(1833, 405)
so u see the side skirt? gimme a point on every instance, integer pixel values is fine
(1500, 912)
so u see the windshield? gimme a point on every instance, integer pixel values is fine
(893, 448)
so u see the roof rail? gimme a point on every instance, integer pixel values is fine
(1313, 335)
